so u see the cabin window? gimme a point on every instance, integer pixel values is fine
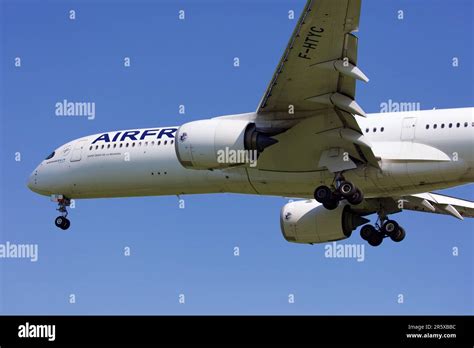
(442, 125)
(172, 141)
(159, 142)
(435, 126)
(465, 124)
(367, 130)
(133, 144)
(457, 125)
(427, 126)
(166, 142)
(450, 125)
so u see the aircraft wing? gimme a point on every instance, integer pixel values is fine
(316, 79)
(425, 202)
(439, 204)
(318, 68)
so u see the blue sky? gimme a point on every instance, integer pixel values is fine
(190, 251)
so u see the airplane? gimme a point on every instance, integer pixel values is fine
(308, 139)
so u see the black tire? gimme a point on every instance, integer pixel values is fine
(331, 205)
(66, 224)
(356, 198)
(390, 228)
(59, 221)
(322, 194)
(336, 196)
(346, 189)
(366, 231)
(375, 239)
(399, 236)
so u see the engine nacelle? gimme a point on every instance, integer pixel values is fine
(309, 222)
(219, 143)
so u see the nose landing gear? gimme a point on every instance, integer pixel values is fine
(62, 221)
(344, 190)
(383, 228)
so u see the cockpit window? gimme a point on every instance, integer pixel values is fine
(50, 156)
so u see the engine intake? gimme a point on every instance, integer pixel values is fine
(309, 222)
(219, 143)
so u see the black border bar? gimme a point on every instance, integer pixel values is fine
(290, 330)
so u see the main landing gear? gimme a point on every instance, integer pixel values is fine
(343, 190)
(62, 221)
(383, 228)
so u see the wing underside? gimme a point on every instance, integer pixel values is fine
(427, 202)
(316, 78)
(319, 65)
(439, 204)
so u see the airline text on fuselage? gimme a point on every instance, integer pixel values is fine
(133, 135)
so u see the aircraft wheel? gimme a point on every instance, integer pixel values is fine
(331, 204)
(62, 222)
(66, 225)
(356, 198)
(375, 239)
(399, 236)
(366, 231)
(390, 228)
(322, 194)
(59, 221)
(346, 189)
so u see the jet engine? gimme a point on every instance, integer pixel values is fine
(219, 143)
(309, 222)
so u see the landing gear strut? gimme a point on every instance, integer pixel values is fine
(383, 228)
(62, 221)
(343, 190)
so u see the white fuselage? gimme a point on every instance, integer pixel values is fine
(413, 159)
